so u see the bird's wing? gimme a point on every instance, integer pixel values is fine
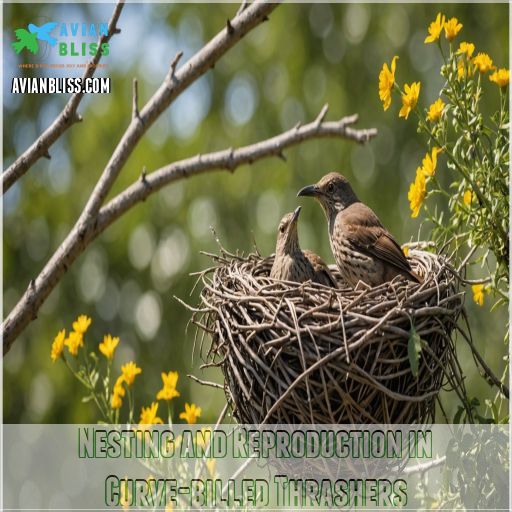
(31, 43)
(321, 269)
(365, 232)
(48, 27)
(22, 34)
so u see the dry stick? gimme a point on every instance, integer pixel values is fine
(87, 226)
(68, 116)
(229, 160)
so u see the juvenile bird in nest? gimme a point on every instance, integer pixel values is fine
(363, 249)
(293, 264)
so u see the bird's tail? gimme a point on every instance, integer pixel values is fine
(18, 46)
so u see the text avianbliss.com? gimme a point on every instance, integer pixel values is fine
(51, 85)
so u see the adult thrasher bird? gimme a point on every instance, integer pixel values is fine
(293, 264)
(362, 247)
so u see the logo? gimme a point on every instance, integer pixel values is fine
(27, 39)
(65, 34)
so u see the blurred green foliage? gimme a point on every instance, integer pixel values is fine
(283, 72)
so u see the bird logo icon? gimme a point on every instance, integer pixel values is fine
(28, 39)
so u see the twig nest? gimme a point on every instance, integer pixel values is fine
(305, 353)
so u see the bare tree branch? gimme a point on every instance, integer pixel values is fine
(68, 116)
(135, 99)
(85, 228)
(228, 159)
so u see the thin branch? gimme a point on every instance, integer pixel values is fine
(86, 227)
(492, 378)
(211, 384)
(229, 160)
(426, 466)
(135, 100)
(172, 67)
(68, 116)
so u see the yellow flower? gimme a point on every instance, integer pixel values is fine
(81, 324)
(386, 82)
(130, 371)
(118, 393)
(405, 250)
(58, 345)
(108, 346)
(483, 63)
(169, 507)
(500, 77)
(430, 162)
(478, 293)
(466, 49)
(116, 402)
(452, 28)
(468, 197)
(168, 392)
(74, 341)
(148, 415)
(462, 69)
(417, 192)
(190, 414)
(435, 28)
(435, 110)
(409, 99)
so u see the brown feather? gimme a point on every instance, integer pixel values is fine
(367, 235)
(322, 273)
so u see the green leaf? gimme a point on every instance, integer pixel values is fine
(458, 414)
(414, 350)
(87, 398)
(94, 378)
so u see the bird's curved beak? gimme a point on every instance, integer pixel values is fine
(310, 190)
(296, 214)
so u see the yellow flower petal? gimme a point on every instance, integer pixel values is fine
(190, 414)
(386, 82)
(417, 192)
(478, 293)
(429, 163)
(81, 324)
(58, 345)
(108, 346)
(409, 99)
(468, 197)
(168, 391)
(466, 49)
(483, 63)
(500, 77)
(148, 415)
(130, 371)
(436, 110)
(435, 28)
(74, 342)
(451, 28)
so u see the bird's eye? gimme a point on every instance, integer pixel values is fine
(330, 188)
(281, 229)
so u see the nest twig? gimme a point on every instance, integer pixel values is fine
(304, 353)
